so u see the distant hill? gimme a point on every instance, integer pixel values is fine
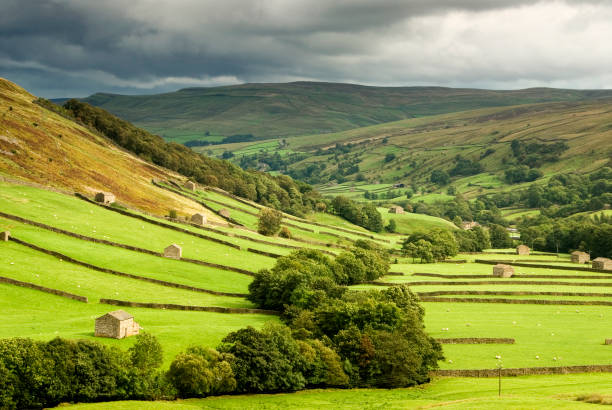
(302, 108)
(474, 147)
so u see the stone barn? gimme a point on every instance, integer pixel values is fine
(224, 213)
(198, 218)
(580, 257)
(396, 209)
(190, 186)
(173, 251)
(469, 225)
(522, 250)
(602, 263)
(117, 324)
(4, 236)
(105, 198)
(503, 271)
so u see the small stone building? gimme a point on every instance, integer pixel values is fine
(224, 213)
(117, 324)
(173, 251)
(503, 271)
(580, 257)
(609, 341)
(602, 263)
(190, 186)
(105, 198)
(396, 209)
(522, 250)
(198, 218)
(469, 225)
(4, 236)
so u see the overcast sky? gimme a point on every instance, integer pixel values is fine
(58, 48)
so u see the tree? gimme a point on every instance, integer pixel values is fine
(389, 157)
(392, 226)
(265, 361)
(200, 372)
(421, 249)
(499, 237)
(269, 221)
(439, 177)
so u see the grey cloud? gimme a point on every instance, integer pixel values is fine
(76, 47)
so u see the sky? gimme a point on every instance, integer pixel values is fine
(73, 48)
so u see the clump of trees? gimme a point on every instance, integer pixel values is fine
(366, 215)
(36, 374)
(269, 221)
(435, 245)
(335, 336)
(593, 235)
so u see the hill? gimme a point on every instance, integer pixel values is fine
(475, 148)
(69, 261)
(301, 108)
(40, 146)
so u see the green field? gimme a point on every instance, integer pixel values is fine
(408, 222)
(526, 392)
(545, 335)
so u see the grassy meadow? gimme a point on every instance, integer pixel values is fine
(545, 335)
(525, 392)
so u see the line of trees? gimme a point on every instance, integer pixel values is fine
(365, 215)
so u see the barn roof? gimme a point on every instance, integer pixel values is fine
(119, 315)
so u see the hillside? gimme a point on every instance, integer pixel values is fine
(301, 108)
(69, 261)
(407, 152)
(39, 146)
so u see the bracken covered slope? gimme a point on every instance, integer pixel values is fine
(39, 146)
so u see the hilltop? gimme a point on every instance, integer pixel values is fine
(302, 108)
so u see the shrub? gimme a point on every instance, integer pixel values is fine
(285, 233)
(265, 361)
(173, 214)
(201, 372)
(269, 221)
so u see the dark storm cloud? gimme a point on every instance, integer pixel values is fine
(75, 47)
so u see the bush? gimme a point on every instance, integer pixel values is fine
(173, 214)
(285, 233)
(438, 243)
(269, 221)
(201, 372)
(265, 361)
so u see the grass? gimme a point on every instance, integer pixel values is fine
(38, 315)
(525, 392)
(77, 216)
(63, 154)
(131, 262)
(24, 264)
(408, 223)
